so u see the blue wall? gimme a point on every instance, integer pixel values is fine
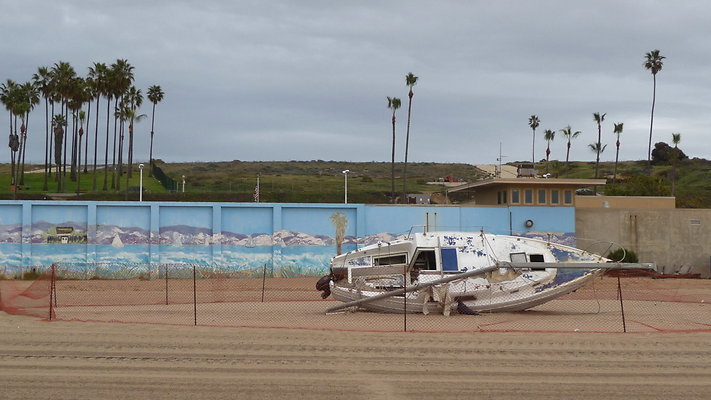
(291, 238)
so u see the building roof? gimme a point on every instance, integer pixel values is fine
(488, 183)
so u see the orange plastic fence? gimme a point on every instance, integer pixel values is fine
(197, 295)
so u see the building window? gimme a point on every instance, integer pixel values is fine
(554, 196)
(505, 193)
(528, 196)
(498, 197)
(568, 196)
(515, 196)
(541, 196)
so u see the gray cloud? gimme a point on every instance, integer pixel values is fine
(282, 80)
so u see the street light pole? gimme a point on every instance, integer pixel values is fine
(140, 182)
(345, 186)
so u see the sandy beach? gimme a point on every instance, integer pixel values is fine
(129, 346)
(89, 360)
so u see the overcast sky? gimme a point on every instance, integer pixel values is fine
(308, 80)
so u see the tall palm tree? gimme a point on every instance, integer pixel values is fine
(30, 98)
(134, 99)
(676, 138)
(410, 81)
(122, 79)
(653, 63)
(109, 83)
(98, 75)
(598, 118)
(9, 96)
(534, 123)
(155, 96)
(78, 96)
(393, 104)
(618, 131)
(548, 135)
(569, 134)
(63, 76)
(42, 80)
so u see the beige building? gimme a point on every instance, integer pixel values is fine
(522, 191)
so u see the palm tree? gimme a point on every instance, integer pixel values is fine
(30, 98)
(63, 76)
(9, 96)
(78, 96)
(42, 80)
(598, 118)
(597, 148)
(676, 138)
(569, 134)
(618, 130)
(155, 96)
(108, 92)
(393, 104)
(548, 135)
(410, 81)
(653, 63)
(97, 73)
(122, 78)
(134, 99)
(534, 122)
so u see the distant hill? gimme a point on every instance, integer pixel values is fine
(319, 181)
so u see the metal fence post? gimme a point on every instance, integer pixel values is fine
(622, 305)
(52, 294)
(195, 294)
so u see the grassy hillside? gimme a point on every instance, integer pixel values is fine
(368, 182)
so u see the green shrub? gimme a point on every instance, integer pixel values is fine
(623, 255)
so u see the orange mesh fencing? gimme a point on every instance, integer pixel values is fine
(198, 295)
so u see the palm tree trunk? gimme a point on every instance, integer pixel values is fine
(119, 161)
(617, 156)
(113, 151)
(64, 161)
(51, 144)
(79, 169)
(153, 118)
(533, 148)
(24, 148)
(599, 147)
(106, 155)
(94, 187)
(392, 168)
(45, 187)
(407, 147)
(86, 145)
(73, 155)
(651, 125)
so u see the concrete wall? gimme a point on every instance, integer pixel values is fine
(291, 238)
(636, 202)
(678, 240)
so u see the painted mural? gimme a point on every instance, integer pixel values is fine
(241, 238)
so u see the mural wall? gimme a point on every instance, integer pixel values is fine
(290, 239)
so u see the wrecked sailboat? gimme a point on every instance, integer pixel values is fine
(461, 272)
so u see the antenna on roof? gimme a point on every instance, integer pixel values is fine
(499, 160)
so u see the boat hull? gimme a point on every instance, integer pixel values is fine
(419, 302)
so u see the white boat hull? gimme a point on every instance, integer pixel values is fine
(421, 301)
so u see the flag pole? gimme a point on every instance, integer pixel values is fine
(256, 190)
